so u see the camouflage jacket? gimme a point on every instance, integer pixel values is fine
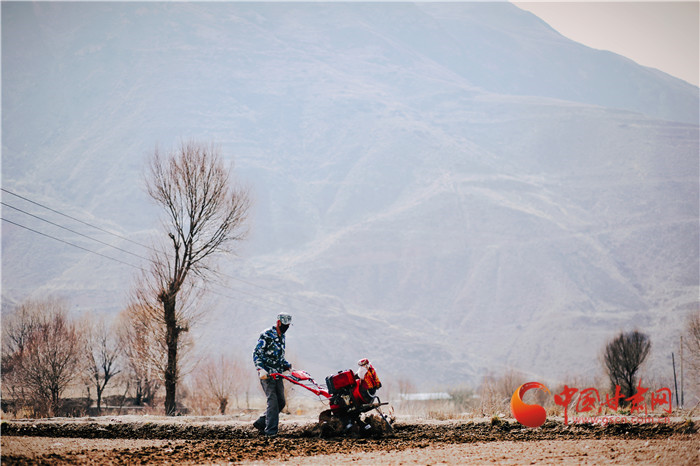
(269, 352)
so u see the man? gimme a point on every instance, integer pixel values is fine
(268, 358)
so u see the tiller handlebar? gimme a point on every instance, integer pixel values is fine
(303, 379)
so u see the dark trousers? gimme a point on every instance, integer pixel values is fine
(274, 391)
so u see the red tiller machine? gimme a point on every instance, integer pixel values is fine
(349, 397)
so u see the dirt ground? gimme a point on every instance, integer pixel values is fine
(186, 441)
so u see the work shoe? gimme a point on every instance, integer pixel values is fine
(260, 425)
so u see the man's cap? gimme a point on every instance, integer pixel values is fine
(284, 318)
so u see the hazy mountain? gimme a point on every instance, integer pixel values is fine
(448, 189)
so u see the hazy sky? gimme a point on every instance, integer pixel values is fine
(661, 34)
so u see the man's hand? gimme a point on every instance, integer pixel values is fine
(262, 374)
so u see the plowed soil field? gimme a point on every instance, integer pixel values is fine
(186, 441)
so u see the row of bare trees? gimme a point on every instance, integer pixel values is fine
(47, 353)
(205, 214)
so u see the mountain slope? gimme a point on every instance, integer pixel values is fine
(446, 188)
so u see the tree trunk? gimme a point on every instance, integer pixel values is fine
(55, 402)
(223, 402)
(139, 393)
(172, 334)
(99, 400)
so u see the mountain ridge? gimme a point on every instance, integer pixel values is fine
(438, 204)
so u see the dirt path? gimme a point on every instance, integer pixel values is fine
(658, 452)
(29, 442)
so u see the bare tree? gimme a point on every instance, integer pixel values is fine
(17, 331)
(205, 215)
(142, 340)
(405, 386)
(45, 348)
(219, 379)
(495, 391)
(623, 356)
(103, 352)
(691, 344)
